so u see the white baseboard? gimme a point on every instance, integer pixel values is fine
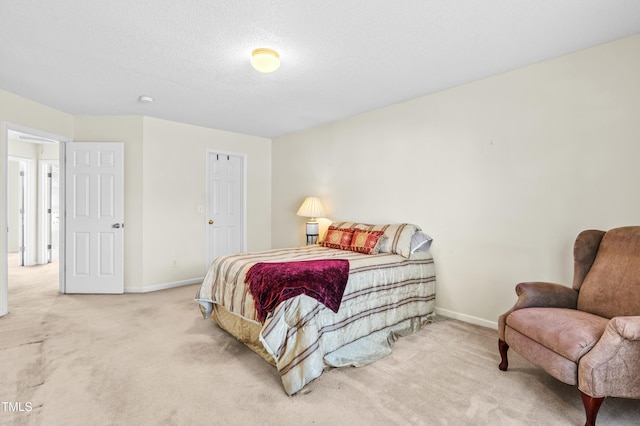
(165, 286)
(467, 318)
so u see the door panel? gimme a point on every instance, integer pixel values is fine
(225, 205)
(95, 212)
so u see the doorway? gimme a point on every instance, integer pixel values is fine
(32, 200)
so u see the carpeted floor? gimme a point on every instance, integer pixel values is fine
(150, 359)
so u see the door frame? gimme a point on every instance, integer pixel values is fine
(243, 158)
(4, 136)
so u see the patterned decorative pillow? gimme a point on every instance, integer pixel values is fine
(338, 238)
(367, 242)
(397, 237)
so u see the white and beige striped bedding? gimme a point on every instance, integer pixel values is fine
(386, 295)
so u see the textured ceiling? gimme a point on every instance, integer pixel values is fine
(339, 57)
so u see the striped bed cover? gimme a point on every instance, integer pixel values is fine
(387, 295)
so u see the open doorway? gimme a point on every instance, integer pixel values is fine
(33, 200)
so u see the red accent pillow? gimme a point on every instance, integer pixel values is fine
(366, 242)
(338, 238)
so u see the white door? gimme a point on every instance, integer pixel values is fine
(54, 202)
(94, 242)
(225, 205)
(26, 202)
(22, 221)
(48, 211)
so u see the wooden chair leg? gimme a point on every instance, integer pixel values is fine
(503, 348)
(591, 407)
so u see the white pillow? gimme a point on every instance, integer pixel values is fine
(420, 242)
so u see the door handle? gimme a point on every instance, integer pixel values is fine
(210, 221)
(117, 225)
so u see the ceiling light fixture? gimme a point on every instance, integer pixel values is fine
(144, 99)
(265, 60)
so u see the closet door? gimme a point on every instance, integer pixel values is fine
(225, 205)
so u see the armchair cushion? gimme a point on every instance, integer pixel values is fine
(611, 287)
(585, 250)
(567, 332)
(556, 365)
(545, 295)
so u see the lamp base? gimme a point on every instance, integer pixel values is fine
(312, 233)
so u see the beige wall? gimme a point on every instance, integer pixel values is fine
(502, 173)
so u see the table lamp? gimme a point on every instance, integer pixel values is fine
(311, 208)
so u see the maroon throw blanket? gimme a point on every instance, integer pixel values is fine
(272, 283)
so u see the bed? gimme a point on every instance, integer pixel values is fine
(389, 292)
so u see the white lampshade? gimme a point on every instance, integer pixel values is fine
(311, 207)
(265, 60)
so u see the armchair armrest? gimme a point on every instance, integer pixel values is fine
(627, 327)
(540, 294)
(545, 295)
(612, 366)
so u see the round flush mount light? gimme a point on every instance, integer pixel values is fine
(265, 60)
(144, 99)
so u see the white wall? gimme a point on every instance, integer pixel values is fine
(502, 173)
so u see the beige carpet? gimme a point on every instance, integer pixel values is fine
(150, 359)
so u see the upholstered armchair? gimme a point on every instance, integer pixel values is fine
(587, 335)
